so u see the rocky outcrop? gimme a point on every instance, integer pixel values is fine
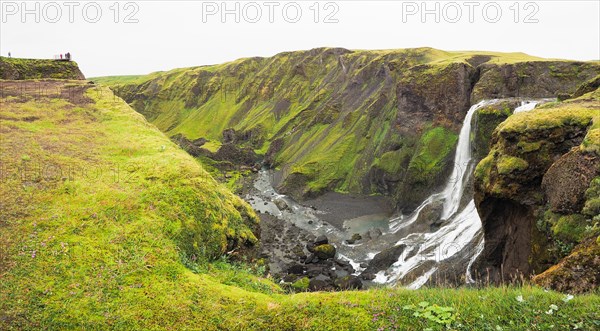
(21, 69)
(577, 273)
(567, 180)
(531, 79)
(485, 121)
(192, 147)
(533, 188)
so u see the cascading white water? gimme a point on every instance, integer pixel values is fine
(453, 192)
(525, 106)
(461, 228)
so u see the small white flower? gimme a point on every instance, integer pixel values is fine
(520, 298)
(499, 328)
(550, 312)
(568, 298)
(554, 307)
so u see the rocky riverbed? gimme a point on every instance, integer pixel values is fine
(305, 242)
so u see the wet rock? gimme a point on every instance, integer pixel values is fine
(348, 283)
(321, 240)
(431, 213)
(385, 259)
(374, 233)
(344, 265)
(367, 276)
(281, 204)
(312, 258)
(355, 238)
(299, 252)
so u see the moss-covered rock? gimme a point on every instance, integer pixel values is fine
(533, 187)
(325, 251)
(507, 164)
(576, 273)
(301, 284)
(485, 121)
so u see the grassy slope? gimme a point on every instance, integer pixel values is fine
(82, 248)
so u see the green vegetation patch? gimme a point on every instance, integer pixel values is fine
(432, 152)
(570, 228)
(507, 164)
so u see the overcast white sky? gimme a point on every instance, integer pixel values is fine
(162, 35)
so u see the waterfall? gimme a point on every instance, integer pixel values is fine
(461, 231)
(453, 192)
(457, 242)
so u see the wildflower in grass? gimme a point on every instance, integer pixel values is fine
(33, 254)
(520, 298)
(550, 312)
(554, 307)
(568, 298)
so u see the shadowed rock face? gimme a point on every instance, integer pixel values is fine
(507, 232)
(336, 119)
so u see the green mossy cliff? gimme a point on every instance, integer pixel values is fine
(537, 191)
(338, 120)
(19, 69)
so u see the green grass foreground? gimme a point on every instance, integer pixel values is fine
(106, 224)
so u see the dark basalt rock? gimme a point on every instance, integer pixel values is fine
(321, 240)
(296, 269)
(321, 283)
(384, 259)
(348, 283)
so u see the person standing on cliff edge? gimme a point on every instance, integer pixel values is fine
(9, 54)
